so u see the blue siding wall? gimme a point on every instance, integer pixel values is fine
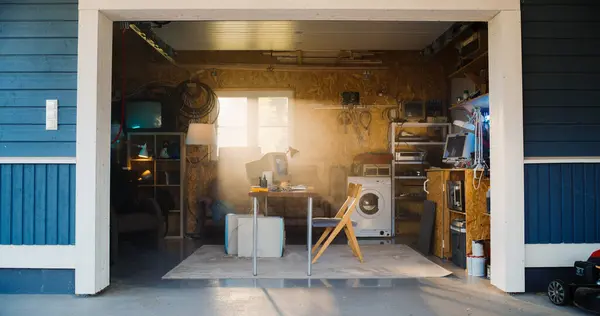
(562, 203)
(38, 61)
(561, 77)
(37, 281)
(37, 204)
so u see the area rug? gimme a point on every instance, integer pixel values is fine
(380, 262)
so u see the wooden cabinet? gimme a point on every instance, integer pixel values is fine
(476, 217)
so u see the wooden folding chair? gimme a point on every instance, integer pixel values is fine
(341, 221)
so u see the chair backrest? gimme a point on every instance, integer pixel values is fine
(352, 195)
(354, 199)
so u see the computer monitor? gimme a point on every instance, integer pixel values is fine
(458, 147)
(275, 162)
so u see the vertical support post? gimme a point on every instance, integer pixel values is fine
(92, 202)
(309, 234)
(507, 162)
(254, 235)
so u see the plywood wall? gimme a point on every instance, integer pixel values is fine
(318, 136)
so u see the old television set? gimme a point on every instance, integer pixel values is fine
(143, 115)
(275, 162)
(414, 110)
(459, 147)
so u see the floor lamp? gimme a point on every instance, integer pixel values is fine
(200, 134)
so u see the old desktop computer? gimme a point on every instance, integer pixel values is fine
(275, 163)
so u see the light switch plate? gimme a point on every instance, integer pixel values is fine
(51, 115)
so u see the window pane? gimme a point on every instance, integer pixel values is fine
(273, 111)
(232, 137)
(273, 139)
(233, 112)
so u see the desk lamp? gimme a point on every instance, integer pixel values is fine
(143, 151)
(475, 125)
(292, 152)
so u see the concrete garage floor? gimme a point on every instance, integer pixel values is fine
(137, 289)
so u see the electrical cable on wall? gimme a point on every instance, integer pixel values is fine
(198, 101)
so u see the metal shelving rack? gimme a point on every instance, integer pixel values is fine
(154, 149)
(394, 146)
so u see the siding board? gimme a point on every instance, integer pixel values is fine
(555, 201)
(41, 81)
(38, 149)
(35, 204)
(560, 30)
(561, 203)
(549, 149)
(35, 116)
(25, 133)
(561, 64)
(37, 98)
(39, 46)
(17, 204)
(560, 13)
(559, 98)
(562, 133)
(42, 12)
(561, 116)
(35, 29)
(558, 81)
(5, 204)
(561, 77)
(39, 63)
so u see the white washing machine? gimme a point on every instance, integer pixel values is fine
(373, 210)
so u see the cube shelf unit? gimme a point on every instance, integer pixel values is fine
(412, 182)
(168, 174)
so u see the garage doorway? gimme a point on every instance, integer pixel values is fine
(94, 89)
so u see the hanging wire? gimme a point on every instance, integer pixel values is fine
(198, 101)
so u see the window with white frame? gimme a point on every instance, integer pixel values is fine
(255, 119)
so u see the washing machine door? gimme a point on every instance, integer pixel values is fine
(370, 203)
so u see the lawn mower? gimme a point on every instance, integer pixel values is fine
(584, 289)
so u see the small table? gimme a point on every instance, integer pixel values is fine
(284, 194)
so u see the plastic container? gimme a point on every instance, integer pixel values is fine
(477, 265)
(477, 248)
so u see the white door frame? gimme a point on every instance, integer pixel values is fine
(94, 89)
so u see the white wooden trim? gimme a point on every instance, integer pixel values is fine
(37, 257)
(544, 160)
(557, 255)
(506, 141)
(289, 10)
(92, 201)
(37, 160)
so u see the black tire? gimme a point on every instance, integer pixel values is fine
(559, 292)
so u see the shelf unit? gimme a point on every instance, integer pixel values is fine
(414, 183)
(475, 214)
(168, 175)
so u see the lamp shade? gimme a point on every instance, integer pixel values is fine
(201, 134)
(468, 126)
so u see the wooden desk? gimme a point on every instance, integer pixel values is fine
(284, 194)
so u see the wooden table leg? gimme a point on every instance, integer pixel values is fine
(309, 234)
(254, 235)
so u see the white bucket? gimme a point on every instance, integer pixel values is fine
(477, 266)
(477, 249)
(469, 265)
